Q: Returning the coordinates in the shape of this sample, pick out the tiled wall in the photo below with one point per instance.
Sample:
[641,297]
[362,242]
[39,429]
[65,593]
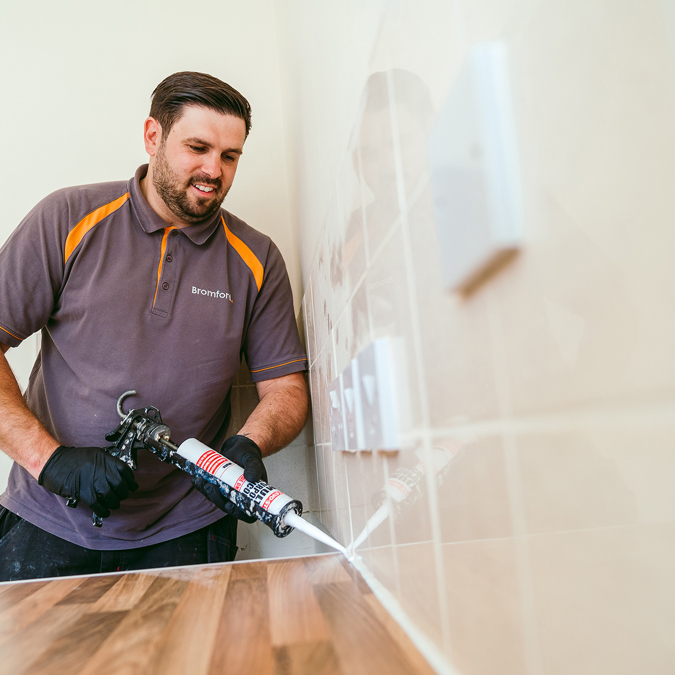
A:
[547,543]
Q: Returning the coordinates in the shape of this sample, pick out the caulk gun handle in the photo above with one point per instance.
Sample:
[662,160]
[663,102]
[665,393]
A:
[72,502]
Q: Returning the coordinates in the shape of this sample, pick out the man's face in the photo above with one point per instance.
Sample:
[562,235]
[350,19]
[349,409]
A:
[195,164]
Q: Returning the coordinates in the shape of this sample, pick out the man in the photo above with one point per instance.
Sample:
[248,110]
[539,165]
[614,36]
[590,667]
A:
[146,284]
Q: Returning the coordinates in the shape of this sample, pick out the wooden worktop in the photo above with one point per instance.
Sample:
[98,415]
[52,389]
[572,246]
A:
[310,615]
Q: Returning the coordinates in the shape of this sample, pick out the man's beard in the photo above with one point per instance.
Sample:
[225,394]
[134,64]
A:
[175,195]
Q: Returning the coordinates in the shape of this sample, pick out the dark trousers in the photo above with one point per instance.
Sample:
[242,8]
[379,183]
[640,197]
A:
[27,552]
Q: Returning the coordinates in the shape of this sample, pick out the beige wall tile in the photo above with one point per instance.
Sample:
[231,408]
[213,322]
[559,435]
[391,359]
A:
[343,527]
[585,311]
[604,600]
[597,478]
[384,565]
[418,591]
[473,494]
[486,626]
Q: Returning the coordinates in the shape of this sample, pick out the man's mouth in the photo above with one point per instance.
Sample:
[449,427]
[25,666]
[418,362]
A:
[204,189]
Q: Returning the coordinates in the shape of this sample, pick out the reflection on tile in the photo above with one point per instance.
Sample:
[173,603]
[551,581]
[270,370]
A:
[377,162]
[322,297]
[604,599]
[350,208]
[403,498]
[413,115]
[324,376]
[360,320]
[388,289]
[456,341]
[345,348]
[335,273]
[486,632]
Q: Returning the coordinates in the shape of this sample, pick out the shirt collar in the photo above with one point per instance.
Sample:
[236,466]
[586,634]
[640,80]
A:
[150,220]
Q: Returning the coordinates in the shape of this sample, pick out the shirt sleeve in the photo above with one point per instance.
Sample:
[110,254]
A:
[32,270]
[272,343]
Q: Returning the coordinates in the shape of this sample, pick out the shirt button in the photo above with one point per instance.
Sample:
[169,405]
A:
[165,286]
[169,258]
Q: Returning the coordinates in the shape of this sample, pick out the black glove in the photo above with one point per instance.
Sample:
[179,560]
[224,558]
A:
[245,453]
[90,475]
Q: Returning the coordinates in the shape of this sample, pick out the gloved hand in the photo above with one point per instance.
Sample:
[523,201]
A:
[245,453]
[90,475]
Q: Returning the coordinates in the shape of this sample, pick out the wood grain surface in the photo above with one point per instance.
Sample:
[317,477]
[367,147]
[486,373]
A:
[299,616]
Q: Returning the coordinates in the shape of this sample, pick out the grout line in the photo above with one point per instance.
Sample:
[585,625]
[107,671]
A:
[420,371]
[530,638]
[364,218]
[334,532]
[392,529]
[349,505]
[531,535]
[311,339]
[655,414]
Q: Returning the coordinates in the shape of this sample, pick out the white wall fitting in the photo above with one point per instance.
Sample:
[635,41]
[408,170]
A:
[475,172]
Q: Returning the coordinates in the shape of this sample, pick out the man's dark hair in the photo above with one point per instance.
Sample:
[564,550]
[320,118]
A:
[188,88]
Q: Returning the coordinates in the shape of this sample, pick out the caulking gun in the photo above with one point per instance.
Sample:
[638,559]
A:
[142,428]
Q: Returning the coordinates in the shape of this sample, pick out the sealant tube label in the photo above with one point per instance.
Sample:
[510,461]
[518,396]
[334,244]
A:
[264,495]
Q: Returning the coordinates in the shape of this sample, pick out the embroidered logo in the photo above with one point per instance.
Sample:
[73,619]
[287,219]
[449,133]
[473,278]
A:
[212,294]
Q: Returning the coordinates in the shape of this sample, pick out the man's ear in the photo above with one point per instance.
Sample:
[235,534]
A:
[152,135]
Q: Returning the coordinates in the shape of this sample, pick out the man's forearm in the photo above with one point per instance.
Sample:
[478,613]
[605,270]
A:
[22,436]
[280,415]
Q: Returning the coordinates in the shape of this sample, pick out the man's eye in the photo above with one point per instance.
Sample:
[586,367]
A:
[197,148]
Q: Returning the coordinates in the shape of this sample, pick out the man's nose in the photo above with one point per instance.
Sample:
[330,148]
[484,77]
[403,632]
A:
[211,165]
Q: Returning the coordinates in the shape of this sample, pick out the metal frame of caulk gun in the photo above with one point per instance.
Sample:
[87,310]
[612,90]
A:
[142,428]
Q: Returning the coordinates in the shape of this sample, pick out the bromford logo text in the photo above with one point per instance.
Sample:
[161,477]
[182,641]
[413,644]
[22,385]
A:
[212,294]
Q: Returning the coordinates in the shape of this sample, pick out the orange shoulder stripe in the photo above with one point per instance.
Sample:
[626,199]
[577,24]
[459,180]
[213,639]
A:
[12,334]
[246,255]
[279,366]
[76,235]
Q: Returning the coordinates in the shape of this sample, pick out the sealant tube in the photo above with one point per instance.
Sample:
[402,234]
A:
[260,500]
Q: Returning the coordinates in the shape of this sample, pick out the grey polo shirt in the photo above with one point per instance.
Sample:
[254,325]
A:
[125,302]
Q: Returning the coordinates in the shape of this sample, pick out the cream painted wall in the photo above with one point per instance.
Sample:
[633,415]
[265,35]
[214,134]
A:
[77,79]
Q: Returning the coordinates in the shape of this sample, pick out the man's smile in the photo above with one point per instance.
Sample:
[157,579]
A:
[204,189]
